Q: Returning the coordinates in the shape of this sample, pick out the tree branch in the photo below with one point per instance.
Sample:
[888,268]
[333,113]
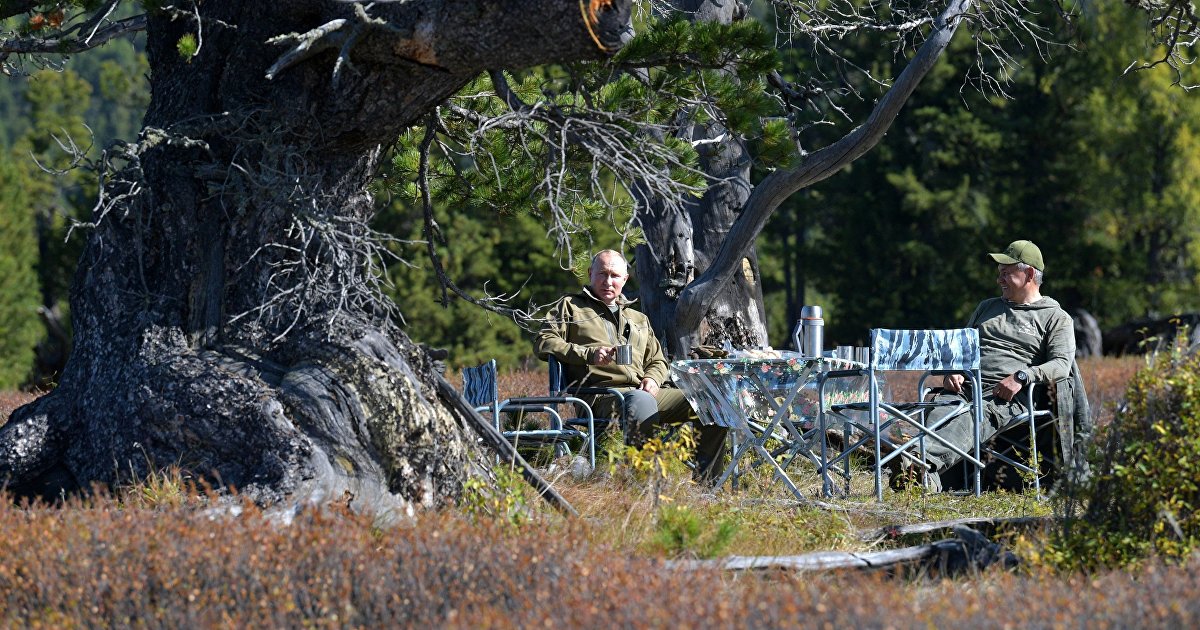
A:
[432,232]
[72,45]
[496,442]
[780,185]
[969,551]
[510,33]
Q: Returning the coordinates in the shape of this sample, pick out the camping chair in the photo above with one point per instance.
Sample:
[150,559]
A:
[559,387]
[480,389]
[1008,443]
[896,427]
[1044,441]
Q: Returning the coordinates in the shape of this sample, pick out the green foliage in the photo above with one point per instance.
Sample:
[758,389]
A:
[20,329]
[775,147]
[492,242]
[58,101]
[745,46]
[1093,166]
[505,228]
[102,96]
[1138,164]
[682,59]
[1144,494]
[58,104]
[660,456]
[503,499]
[681,531]
[187,46]
[487,250]
[116,73]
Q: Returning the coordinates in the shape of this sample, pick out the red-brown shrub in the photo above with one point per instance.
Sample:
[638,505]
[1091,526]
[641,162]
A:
[9,401]
[100,565]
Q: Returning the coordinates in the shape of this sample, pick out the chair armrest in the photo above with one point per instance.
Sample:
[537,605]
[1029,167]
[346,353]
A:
[528,402]
[595,391]
[602,391]
[946,372]
[517,407]
[1027,393]
[539,400]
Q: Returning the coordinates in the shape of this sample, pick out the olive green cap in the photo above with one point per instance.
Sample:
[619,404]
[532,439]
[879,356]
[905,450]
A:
[1021,252]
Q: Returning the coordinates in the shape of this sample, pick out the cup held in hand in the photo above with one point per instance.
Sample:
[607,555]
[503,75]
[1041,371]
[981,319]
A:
[624,354]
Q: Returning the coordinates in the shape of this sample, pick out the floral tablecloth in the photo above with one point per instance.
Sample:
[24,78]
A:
[727,391]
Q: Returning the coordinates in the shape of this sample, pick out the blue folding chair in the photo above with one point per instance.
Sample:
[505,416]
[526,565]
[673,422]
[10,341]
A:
[896,427]
[481,390]
[559,387]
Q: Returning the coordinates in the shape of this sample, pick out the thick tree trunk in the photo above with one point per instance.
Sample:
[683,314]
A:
[681,242]
[225,317]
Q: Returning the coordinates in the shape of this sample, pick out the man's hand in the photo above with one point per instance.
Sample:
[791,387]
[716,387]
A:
[649,385]
[1006,389]
[604,355]
[953,383]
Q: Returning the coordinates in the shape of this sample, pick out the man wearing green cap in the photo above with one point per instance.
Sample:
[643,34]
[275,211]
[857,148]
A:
[1024,337]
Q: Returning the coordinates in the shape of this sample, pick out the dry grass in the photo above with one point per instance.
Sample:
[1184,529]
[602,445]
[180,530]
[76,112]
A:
[1105,380]
[9,401]
[102,565]
[138,561]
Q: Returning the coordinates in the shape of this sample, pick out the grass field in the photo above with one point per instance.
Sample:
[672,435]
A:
[153,556]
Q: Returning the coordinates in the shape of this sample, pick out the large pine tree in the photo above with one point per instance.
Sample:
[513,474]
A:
[227,313]
[225,309]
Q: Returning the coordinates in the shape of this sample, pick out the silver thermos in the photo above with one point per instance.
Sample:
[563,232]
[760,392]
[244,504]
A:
[809,335]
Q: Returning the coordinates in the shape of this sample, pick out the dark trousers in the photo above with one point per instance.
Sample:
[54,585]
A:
[647,414]
[997,416]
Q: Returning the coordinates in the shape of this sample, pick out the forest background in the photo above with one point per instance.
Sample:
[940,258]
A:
[1093,163]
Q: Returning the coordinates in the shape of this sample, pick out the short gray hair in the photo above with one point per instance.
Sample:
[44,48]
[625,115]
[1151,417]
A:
[602,252]
[1037,273]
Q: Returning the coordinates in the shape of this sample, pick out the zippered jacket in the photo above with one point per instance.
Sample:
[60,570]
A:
[579,324]
[1040,338]
[1037,337]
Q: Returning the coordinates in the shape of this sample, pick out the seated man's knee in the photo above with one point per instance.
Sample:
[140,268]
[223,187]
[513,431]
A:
[642,411]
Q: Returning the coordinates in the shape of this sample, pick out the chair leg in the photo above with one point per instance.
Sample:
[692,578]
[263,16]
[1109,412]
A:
[1033,458]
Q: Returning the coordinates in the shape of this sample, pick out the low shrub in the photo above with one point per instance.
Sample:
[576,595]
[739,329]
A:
[96,564]
[1143,496]
[683,532]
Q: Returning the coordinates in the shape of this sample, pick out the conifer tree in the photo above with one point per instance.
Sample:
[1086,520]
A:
[227,305]
[20,328]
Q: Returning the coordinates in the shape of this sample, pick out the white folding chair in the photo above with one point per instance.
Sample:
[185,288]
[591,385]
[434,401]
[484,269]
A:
[1036,419]
[896,427]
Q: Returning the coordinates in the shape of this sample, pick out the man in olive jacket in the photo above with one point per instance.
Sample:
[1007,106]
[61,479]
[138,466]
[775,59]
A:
[583,331]
[1024,337]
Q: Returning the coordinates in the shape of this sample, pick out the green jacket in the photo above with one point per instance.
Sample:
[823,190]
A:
[1040,338]
[580,323]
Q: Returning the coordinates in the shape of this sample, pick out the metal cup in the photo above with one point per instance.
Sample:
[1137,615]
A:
[624,354]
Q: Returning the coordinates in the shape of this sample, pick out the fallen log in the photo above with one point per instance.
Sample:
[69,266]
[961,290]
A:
[896,531]
[824,560]
[969,551]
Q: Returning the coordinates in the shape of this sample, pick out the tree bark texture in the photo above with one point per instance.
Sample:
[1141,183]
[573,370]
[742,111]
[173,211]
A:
[681,243]
[225,317]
